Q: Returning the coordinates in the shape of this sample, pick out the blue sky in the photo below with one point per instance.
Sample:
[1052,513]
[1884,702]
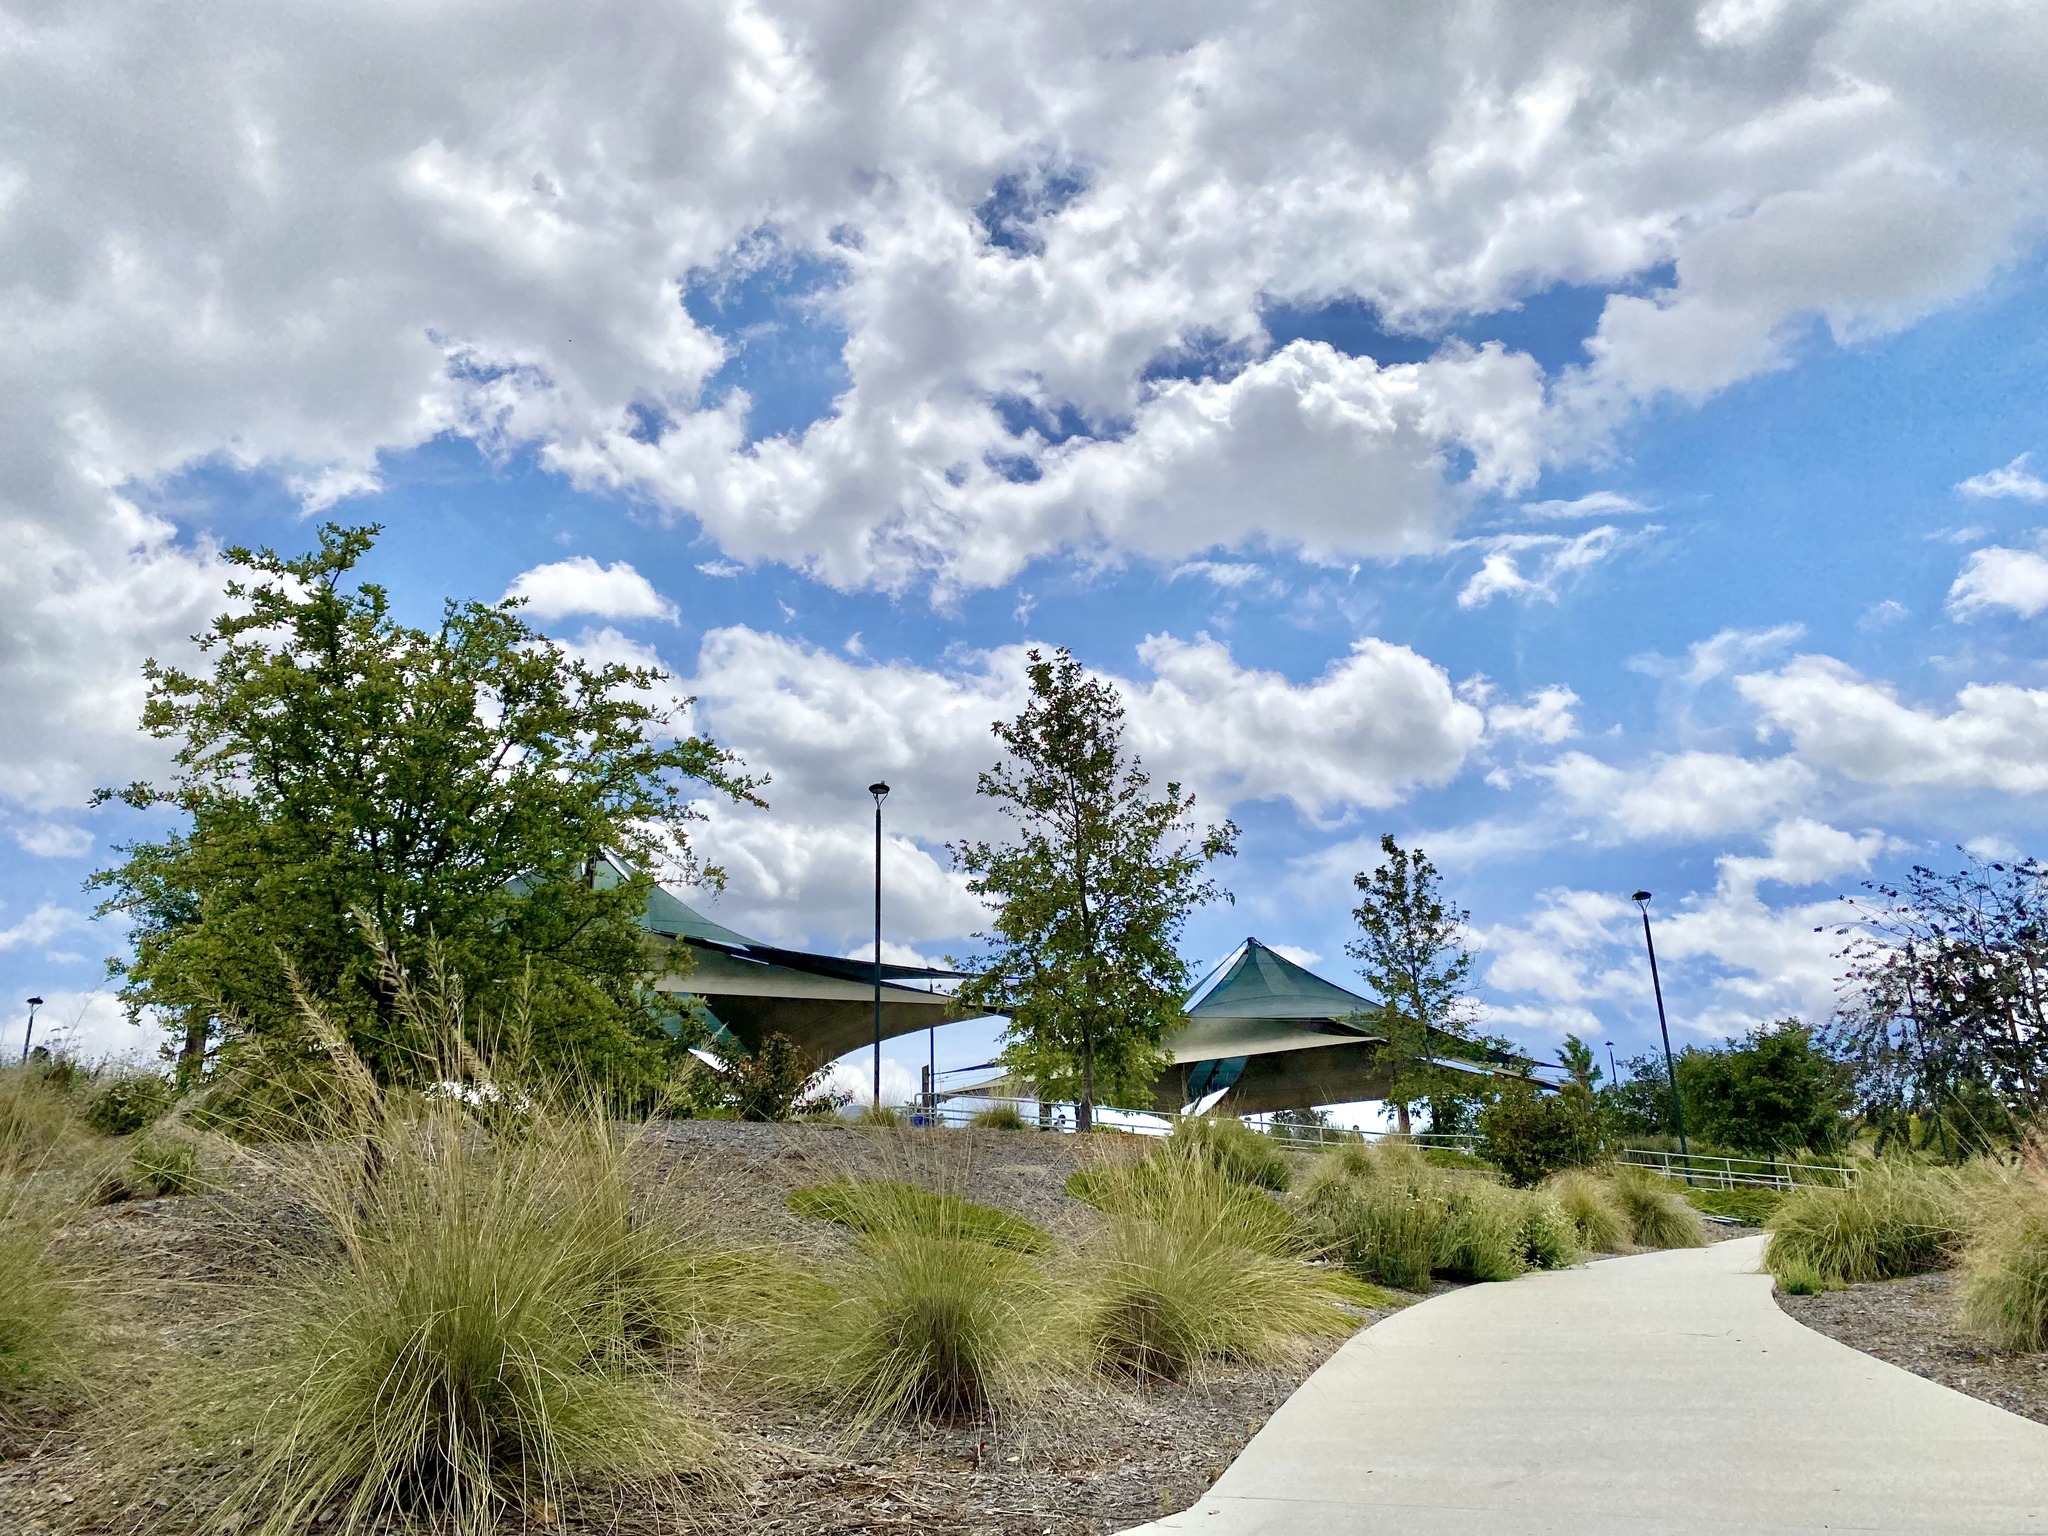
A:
[1617,474]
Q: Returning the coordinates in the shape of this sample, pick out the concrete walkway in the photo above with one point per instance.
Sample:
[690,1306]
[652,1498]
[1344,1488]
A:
[1660,1393]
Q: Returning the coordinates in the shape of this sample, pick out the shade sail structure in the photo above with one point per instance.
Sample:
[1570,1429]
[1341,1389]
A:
[824,1004]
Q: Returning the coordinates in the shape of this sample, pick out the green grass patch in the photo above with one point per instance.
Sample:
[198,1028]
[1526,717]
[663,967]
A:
[1658,1216]
[1458,1159]
[1235,1150]
[1751,1207]
[888,1206]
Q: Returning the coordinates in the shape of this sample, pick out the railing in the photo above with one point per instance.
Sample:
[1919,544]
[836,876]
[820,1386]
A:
[1298,1137]
[1737,1172]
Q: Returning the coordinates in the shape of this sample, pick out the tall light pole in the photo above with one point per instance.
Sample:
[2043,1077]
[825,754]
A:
[881,792]
[1642,901]
[1613,1077]
[30,1033]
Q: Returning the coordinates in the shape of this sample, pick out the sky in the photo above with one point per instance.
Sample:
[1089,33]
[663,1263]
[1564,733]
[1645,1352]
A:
[1604,445]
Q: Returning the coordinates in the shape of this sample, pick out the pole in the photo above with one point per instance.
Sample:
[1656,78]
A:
[881,792]
[1642,899]
[30,1033]
[1613,1077]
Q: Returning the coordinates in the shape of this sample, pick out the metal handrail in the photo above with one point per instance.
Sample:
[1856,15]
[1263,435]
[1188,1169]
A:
[1156,1123]
[1738,1172]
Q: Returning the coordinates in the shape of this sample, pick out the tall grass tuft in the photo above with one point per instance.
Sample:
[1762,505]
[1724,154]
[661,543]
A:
[1481,1235]
[1658,1216]
[1589,1202]
[36,1119]
[1894,1220]
[1187,1273]
[1178,1179]
[999,1117]
[37,1312]
[1235,1150]
[2003,1298]
[1550,1238]
[888,1205]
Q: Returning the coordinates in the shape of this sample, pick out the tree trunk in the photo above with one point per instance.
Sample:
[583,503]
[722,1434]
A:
[1401,1117]
[1084,1112]
[192,1059]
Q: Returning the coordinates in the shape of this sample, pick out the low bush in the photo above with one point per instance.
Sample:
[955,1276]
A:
[36,1312]
[2003,1298]
[922,1324]
[484,1340]
[881,1205]
[1751,1207]
[999,1117]
[1550,1238]
[1529,1135]
[1894,1220]
[161,1166]
[1480,1237]
[1658,1216]
[123,1103]
[1588,1201]
[1236,1150]
[1456,1158]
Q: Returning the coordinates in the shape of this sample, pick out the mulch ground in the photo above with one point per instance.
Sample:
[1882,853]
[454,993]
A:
[1083,1459]
[1910,1323]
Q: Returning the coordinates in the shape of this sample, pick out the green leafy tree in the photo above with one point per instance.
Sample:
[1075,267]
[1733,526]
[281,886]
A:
[1773,1091]
[1582,1077]
[1638,1101]
[1411,951]
[1529,1134]
[340,775]
[1088,897]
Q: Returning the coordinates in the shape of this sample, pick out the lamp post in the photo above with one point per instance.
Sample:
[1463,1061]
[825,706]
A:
[1642,901]
[1613,1077]
[881,792]
[30,1033]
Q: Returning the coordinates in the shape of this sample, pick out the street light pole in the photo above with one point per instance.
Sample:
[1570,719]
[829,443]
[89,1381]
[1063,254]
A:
[1613,1077]
[1642,901]
[881,792]
[30,1033]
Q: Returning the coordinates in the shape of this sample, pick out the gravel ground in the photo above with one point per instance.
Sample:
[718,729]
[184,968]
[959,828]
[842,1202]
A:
[1081,1460]
[1911,1324]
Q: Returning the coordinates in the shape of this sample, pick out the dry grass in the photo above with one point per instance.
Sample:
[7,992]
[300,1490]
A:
[1589,1202]
[1894,1220]
[1658,1216]
[2003,1298]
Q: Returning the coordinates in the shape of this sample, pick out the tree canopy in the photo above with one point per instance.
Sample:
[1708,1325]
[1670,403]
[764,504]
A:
[337,771]
[1088,897]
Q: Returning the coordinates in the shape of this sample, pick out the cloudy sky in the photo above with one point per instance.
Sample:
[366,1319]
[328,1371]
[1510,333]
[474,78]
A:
[1605,444]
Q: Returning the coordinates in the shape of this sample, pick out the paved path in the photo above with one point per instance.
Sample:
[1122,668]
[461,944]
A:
[1661,1393]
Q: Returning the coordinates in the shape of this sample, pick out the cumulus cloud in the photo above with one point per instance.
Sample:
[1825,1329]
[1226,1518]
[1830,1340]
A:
[1996,736]
[2013,579]
[46,923]
[54,840]
[2015,480]
[581,585]
[1532,565]
[1545,716]
[1680,795]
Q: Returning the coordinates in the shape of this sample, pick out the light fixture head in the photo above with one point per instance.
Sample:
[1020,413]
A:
[879,790]
[35,1002]
[1640,896]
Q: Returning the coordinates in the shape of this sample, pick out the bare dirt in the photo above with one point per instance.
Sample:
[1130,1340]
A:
[1083,1459]
[1910,1323]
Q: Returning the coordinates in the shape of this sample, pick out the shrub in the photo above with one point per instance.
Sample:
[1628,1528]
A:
[922,1324]
[777,1083]
[1658,1217]
[1892,1221]
[999,1117]
[1481,1235]
[36,1312]
[163,1167]
[1550,1238]
[127,1102]
[1457,1158]
[1379,1210]
[482,1342]
[1589,1202]
[2003,1299]
[1528,1134]
[879,1205]
[1236,1150]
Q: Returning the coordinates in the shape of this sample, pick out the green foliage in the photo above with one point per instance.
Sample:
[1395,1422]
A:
[126,1102]
[1658,1216]
[1894,1220]
[1088,899]
[1638,1103]
[1458,1158]
[1589,1203]
[880,1116]
[338,772]
[1190,1271]
[883,1205]
[922,1323]
[160,1166]
[1752,1207]
[2003,1297]
[1481,1235]
[999,1117]
[1770,1093]
[38,1312]
[1530,1135]
[36,1119]
[1235,1150]
[1173,1182]
[777,1083]
[1550,1237]
[483,1340]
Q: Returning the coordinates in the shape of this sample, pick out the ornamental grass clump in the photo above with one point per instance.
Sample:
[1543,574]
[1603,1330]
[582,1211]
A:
[1894,1220]
[1178,1180]
[1658,1216]
[1589,1202]
[1235,1150]
[37,1121]
[889,1205]
[1550,1238]
[1480,1237]
[38,1315]
[1187,1273]
[2003,1296]
[999,1117]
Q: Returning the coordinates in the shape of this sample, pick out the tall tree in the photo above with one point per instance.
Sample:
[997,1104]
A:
[1945,999]
[458,787]
[1582,1076]
[1773,1091]
[1088,897]
[1411,951]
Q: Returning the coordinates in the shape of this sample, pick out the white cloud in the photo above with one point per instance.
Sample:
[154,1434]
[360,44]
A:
[1680,795]
[724,570]
[48,921]
[1995,738]
[1598,504]
[581,585]
[854,1076]
[54,840]
[2014,480]
[1545,716]
[1228,574]
[1531,565]
[87,1026]
[2013,579]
